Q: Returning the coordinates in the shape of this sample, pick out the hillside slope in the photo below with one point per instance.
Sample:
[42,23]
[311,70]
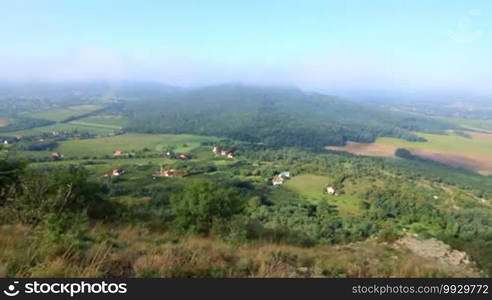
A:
[274,116]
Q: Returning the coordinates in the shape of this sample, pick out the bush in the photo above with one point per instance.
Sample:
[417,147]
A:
[202,204]
[56,192]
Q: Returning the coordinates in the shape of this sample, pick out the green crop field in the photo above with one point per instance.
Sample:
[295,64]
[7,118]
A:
[131,142]
[451,144]
[69,127]
[117,121]
[59,114]
[471,124]
[95,125]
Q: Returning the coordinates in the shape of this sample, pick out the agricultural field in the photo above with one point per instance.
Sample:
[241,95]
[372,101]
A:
[471,124]
[4,122]
[68,127]
[366,149]
[105,120]
[451,144]
[131,142]
[60,114]
[473,152]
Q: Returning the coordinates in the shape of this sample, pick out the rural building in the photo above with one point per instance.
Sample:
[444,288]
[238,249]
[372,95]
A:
[284,174]
[183,156]
[225,153]
[277,180]
[169,153]
[166,173]
[118,172]
[57,155]
[331,190]
[117,153]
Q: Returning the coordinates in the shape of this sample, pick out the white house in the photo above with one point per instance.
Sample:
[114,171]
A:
[331,190]
[118,172]
[284,174]
[277,180]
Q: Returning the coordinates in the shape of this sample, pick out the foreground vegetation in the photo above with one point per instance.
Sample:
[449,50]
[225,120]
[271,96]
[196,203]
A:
[78,222]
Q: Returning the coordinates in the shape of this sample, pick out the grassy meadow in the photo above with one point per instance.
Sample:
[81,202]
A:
[471,124]
[109,120]
[131,142]
[68,127]
[452,144]
[61,114]
[313,188]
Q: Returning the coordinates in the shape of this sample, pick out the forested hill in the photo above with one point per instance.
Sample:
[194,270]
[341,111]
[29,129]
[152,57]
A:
[276,116]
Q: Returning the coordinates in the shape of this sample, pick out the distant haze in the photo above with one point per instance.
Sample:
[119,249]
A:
[323,45]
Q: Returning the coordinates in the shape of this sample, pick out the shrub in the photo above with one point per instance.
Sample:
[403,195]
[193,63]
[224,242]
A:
[202,204]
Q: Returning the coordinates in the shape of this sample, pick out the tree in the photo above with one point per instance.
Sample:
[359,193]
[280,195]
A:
[202,203]
[11,169]
[55,191]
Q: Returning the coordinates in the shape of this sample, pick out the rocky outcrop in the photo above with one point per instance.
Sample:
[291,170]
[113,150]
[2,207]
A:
[442,254]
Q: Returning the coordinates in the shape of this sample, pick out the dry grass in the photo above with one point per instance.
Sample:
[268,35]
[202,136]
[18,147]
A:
[137,252]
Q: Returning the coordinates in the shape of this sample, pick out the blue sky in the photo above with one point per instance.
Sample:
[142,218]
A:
[316,44]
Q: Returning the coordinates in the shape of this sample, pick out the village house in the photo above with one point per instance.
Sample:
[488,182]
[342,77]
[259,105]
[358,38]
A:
[217,151]
[117,153]
[277,180]
[118,172]
[166,173]
[331,190]
[225,153]
[169,153]
[182,156]
[284,174]
[114,172]
[57,155]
